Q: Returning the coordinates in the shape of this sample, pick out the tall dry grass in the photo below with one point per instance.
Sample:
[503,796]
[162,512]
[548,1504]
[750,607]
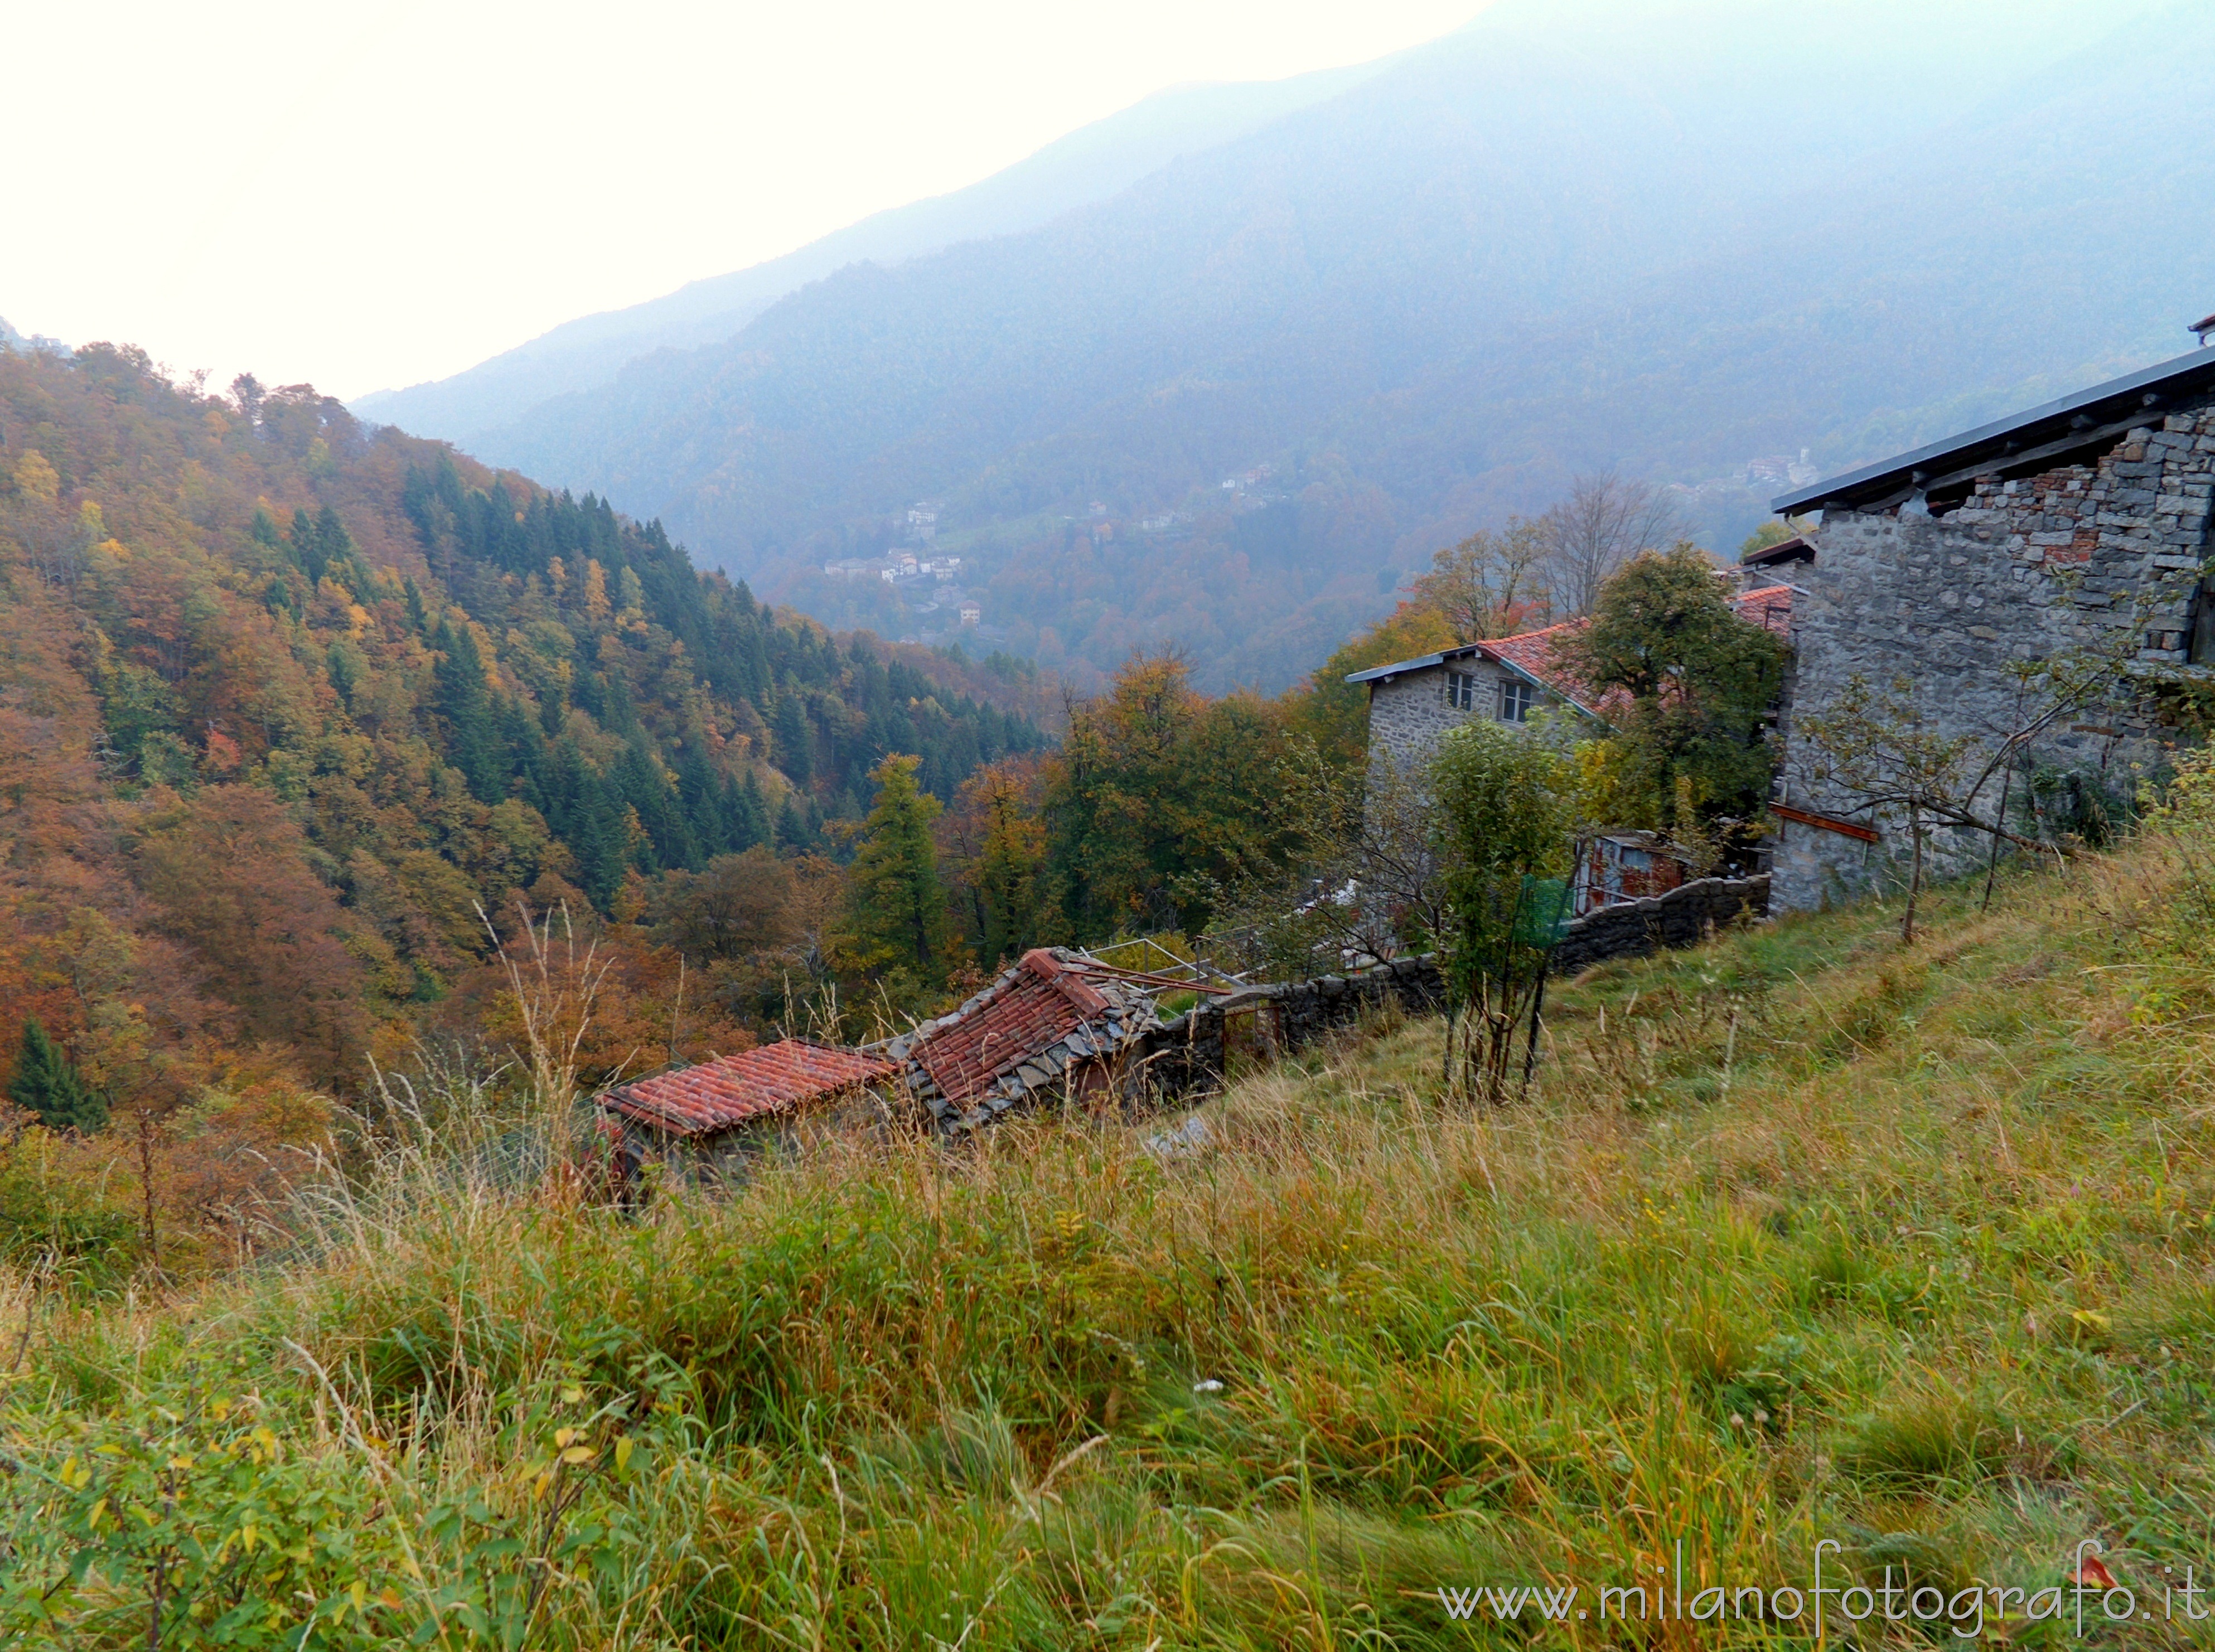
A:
[1803,1235]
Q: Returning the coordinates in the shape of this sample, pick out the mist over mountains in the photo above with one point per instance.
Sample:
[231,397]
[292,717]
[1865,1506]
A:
[1089,164]
[1673,240]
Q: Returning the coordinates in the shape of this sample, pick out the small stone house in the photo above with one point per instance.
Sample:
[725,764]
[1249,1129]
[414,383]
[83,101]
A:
[1414,702]
[2079,524]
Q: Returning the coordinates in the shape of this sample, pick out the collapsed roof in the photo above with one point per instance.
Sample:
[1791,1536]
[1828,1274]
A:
[1052,1022]
[1058,1022]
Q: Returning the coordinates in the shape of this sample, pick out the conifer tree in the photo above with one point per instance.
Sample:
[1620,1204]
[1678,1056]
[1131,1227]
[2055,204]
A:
[896,915]
[749,813]
[795,741]
[305,546]
[472,744]
[795,834]
[46,1083]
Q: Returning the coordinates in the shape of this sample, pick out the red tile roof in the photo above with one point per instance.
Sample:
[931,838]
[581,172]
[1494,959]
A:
[1532,654]
[1047,1000]
[1769,608]
[1533,651]
[778,1078]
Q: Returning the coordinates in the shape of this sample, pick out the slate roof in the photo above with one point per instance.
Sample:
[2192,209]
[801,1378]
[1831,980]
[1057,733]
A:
[2022,444]
[1530,654]
[779,1078]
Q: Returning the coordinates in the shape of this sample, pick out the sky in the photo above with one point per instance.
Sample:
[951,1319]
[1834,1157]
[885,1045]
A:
[370,195]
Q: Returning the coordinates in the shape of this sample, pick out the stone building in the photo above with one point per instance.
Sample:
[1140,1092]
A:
[1414,702]
[2074,530]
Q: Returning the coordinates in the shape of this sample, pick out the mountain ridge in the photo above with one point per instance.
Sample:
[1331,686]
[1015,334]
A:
[1427,301]
[1094,162]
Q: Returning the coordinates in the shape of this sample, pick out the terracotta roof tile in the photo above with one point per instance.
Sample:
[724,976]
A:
[1769,608]
[1533,651]
[778,1078]
[1047,1000]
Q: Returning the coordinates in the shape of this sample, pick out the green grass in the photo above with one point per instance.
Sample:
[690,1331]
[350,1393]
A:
[1802,1235]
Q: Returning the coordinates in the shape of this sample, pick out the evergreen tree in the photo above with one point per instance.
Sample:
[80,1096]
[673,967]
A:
[305,547]
[599,839]
[703,796]
[46,1084]
[748,813]
[336,547]
[472,741]
[794,835]
[896,915]
[795,741]
[645,788]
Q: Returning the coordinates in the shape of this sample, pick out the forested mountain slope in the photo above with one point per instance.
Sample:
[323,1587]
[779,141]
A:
[284,699]
[1674,246]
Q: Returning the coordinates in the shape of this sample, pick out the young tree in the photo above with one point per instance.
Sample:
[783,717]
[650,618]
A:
[1889,751]
[1505,831]
[1364,877]
[896,906]
[46,1084]
[1696,683]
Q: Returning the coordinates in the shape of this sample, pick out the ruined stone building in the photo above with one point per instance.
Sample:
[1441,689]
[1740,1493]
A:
[2072,531]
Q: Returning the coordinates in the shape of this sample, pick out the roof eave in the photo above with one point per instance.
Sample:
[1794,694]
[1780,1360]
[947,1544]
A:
[1892,475]
[1377,673]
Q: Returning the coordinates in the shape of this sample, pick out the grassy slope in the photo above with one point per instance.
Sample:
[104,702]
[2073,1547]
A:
[1809,1235]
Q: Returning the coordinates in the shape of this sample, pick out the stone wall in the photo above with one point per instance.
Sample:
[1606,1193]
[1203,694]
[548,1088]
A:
[1190,1054]
[1686,916]
[1410,714]
[2023,570]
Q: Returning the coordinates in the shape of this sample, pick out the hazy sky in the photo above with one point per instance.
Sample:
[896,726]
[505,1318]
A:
[387,191]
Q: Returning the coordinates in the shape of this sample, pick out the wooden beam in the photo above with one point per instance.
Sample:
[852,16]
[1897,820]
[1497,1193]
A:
[1827,824]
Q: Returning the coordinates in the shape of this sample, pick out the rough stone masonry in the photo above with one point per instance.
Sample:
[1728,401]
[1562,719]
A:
[1979,568]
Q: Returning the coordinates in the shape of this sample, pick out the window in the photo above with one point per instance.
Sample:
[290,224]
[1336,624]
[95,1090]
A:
[1461,690]
[1516,697]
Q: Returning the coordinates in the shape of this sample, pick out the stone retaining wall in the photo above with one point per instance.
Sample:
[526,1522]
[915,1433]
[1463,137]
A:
[1189,1055]
[1686,916]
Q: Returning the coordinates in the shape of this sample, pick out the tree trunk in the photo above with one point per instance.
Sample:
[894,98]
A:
[1914,877]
